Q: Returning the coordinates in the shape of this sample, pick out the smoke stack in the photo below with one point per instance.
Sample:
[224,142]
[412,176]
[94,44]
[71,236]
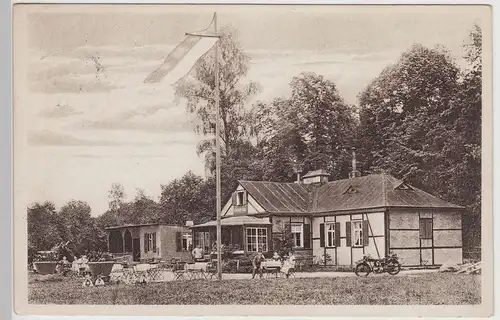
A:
[354,173]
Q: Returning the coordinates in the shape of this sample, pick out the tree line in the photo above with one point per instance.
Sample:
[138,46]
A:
[419,120]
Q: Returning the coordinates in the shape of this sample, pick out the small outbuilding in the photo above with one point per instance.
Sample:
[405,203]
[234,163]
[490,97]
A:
[153,241]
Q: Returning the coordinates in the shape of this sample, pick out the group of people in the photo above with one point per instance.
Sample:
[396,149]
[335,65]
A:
[288,263]
[287,266]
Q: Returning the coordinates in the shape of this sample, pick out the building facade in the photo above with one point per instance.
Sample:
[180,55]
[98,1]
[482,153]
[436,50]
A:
[337,222]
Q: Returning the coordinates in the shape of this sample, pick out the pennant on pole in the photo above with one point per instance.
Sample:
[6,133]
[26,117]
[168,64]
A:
[182,59]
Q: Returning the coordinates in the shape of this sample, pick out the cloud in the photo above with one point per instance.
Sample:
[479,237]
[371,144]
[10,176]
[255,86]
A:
[69,84]
[52,138]
[60,111]
[149,119]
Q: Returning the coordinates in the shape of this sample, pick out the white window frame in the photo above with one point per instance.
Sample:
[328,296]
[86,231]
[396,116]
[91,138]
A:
[188,239]
[149,244]
[355,229]
[239,202]
[253,240]
[330,234]
[301,233]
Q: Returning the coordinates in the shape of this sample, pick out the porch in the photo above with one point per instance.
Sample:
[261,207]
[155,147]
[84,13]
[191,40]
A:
[240,235]
[124,241]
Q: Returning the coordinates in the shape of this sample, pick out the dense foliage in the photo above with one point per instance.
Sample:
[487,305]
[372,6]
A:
[419,120]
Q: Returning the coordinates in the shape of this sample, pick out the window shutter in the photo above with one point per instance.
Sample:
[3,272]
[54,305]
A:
[146,243]
[178,241]
[337,234]
[422,228]
[366,236]
[154,242]
[233,198]
[307,236]
[322,235]
[348,233]
[244,197]
[429,229]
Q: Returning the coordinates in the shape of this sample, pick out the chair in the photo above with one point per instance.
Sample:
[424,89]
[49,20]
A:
[211,271]
[179,271]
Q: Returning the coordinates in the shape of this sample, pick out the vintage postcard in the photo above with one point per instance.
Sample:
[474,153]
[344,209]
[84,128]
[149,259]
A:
[184,160]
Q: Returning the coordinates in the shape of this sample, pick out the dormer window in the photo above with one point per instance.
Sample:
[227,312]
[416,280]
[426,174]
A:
[351,190]
[403,186]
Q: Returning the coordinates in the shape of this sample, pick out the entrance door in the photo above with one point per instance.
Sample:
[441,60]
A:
[136,249]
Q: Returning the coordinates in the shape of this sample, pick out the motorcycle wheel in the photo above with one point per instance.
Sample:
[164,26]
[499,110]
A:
[393,268]
[362,270]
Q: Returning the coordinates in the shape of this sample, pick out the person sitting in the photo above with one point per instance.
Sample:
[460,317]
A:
[257,263]
[197,253]
[276,256]
[288,264]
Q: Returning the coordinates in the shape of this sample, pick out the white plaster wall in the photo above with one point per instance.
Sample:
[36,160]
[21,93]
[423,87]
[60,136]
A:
[408,256]
[372,249]
[403,220]
[444,255]
[447,220]
[404,239]
[377,223]
[427,256]
[447,238]
[344,253]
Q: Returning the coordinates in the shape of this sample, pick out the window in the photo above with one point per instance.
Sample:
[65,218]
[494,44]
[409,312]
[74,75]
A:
[357,233]
[202,239]
[330,234]
[297,235]
[256,239]
[186,241]
[425,228]
[240,198]
[150,242]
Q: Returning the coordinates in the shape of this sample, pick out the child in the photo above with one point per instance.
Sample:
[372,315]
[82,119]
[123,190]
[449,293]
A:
[288,264]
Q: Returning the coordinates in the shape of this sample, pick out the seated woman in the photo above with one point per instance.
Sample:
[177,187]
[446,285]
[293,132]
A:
[288,264]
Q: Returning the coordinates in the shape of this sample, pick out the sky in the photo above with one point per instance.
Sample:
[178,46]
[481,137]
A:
[90,123]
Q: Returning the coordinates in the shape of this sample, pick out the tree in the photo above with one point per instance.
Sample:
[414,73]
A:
[199,93]
[116,196]
[420,120]
[79,227]
[402,127]
[188,198]
[42,227]
[306,131]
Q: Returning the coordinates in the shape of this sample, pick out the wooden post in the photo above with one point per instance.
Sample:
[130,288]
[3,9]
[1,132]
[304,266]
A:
[217,147]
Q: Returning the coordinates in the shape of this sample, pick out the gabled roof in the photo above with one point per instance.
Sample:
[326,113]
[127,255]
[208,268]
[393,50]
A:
[366,192]
[279,197]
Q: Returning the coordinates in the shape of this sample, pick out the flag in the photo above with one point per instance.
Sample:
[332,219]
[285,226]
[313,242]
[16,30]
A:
[182,59]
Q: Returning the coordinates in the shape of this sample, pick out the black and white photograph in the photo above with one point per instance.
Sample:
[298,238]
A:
[257,155]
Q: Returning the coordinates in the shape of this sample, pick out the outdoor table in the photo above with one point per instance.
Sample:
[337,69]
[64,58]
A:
[196,270]
[272,267]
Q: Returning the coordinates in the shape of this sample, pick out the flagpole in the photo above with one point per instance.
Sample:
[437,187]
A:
[217,155]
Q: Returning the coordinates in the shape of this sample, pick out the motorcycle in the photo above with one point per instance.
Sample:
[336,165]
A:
[367,265]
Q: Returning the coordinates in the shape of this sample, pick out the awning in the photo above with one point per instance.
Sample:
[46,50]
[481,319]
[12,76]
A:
[236,221]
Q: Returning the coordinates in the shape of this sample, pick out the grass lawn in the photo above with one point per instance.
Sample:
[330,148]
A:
[433,288]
